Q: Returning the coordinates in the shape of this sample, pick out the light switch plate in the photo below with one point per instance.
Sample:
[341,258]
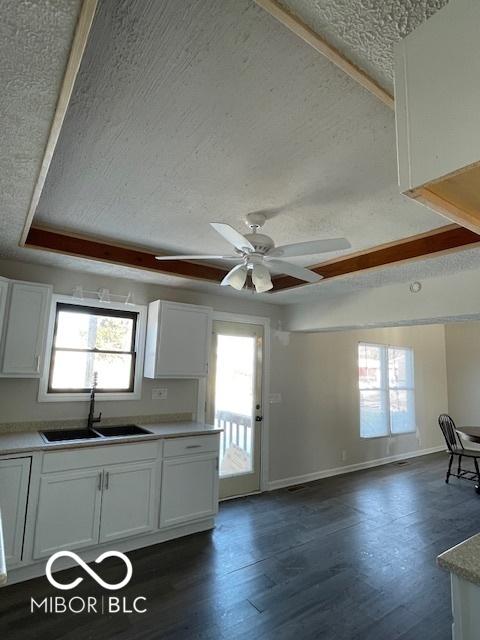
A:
[159,394]
[275,398]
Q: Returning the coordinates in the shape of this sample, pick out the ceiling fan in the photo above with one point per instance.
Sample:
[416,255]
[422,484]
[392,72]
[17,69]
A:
[258,254]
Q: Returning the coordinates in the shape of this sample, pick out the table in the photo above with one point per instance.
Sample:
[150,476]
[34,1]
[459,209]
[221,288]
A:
[470,433]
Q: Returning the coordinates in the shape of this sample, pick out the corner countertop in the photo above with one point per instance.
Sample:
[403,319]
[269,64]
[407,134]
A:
[463,560]
[24,441]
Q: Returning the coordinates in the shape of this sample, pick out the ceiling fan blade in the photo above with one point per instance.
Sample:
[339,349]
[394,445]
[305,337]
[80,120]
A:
[295,271]
[309,248]
[203,257]
[232,236]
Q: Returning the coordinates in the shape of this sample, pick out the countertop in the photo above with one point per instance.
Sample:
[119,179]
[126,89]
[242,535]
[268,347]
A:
[463,560]
[23,441]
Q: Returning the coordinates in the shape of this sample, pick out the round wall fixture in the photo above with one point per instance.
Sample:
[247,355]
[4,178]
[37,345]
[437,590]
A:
[415,287]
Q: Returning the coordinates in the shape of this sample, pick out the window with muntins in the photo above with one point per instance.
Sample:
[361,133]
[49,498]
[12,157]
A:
[387,390]
[92,340]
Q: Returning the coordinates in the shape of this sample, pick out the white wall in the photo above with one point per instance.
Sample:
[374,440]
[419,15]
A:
[449,297]
[316,375]
[319,416]
[18,398]
[463,368]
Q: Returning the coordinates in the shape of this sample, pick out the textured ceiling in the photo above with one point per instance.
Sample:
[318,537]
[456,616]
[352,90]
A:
[205,110]
[35,38]
[365,30]
[196,111]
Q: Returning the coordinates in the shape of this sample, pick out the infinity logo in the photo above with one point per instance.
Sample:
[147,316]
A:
[87,569]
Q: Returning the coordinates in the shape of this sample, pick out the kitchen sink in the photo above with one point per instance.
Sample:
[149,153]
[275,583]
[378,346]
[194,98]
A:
[61,435]
[116,431]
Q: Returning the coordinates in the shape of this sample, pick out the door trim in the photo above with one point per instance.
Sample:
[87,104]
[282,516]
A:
[202,387]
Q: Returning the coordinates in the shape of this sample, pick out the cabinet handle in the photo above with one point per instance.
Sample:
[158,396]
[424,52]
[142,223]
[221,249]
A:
[37,364]
[107,480]
[193,446]
[100,476]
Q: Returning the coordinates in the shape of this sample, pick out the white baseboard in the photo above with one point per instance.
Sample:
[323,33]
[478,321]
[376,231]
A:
[336,471]
[36,568]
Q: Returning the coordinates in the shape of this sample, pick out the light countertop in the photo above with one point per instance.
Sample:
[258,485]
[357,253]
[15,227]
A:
[463,560]
[23,441]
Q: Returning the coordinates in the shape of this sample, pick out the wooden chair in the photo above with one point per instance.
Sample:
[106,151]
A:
[456,448]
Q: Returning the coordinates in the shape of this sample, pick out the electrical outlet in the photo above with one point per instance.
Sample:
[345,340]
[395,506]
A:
[344,455]
[159,394]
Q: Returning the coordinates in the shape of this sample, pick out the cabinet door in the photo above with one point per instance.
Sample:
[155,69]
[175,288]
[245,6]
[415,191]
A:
[189,489]
[26,329]
[68,514]
[14,479]
[437,94]
[128,502]
[183,340]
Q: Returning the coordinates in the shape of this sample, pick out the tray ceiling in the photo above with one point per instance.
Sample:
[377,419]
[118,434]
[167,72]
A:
[189,112]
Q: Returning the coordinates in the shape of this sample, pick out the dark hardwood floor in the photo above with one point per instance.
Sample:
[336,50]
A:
[350,557]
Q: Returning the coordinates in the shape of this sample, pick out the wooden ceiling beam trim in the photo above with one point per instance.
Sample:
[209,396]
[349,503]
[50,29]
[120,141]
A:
[79,42]
[433,243]
[104,251]
[312,38]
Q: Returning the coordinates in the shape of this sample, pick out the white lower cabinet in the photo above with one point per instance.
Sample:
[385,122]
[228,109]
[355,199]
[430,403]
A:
[128,503]
[84,507]
[189,489]
[107,495]
[14,477]
[68,515]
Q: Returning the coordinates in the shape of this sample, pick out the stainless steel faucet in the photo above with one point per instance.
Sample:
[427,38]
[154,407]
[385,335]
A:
[91,419]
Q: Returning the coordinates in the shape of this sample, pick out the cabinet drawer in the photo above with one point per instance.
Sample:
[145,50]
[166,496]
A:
[190,445]
[81,458]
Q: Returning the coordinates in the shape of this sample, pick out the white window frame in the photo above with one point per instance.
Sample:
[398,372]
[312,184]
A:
[136,394]
[385,363]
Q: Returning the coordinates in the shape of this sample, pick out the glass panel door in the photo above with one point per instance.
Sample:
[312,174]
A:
[235,404]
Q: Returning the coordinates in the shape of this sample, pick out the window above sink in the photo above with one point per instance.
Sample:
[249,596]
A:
[87,337]
[90,340]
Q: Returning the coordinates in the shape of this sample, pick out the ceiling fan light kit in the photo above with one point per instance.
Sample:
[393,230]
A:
[261,278]
[236,278]
[258,254]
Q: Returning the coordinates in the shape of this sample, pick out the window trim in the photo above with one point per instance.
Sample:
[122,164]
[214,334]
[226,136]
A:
[44,395]
[390,433]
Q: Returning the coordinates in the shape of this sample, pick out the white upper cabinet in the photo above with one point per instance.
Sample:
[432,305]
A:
[25,329]
[437,105]
[178,340]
